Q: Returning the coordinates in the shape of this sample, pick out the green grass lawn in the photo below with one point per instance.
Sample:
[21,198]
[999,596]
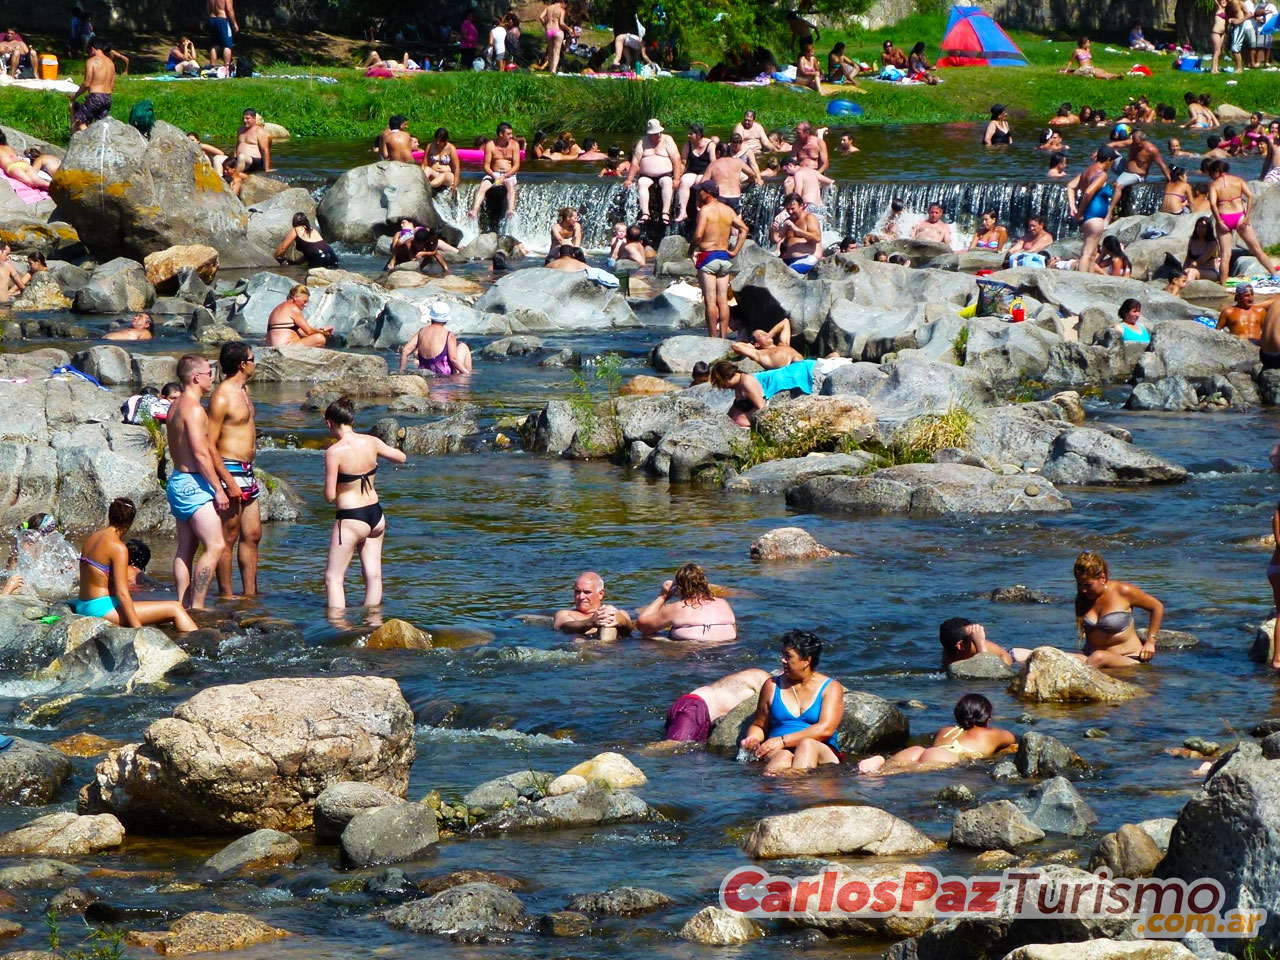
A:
[470,104]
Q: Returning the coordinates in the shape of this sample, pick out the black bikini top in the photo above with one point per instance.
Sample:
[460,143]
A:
[364,479]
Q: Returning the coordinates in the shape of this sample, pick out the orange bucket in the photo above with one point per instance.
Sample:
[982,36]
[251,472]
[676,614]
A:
[48,67]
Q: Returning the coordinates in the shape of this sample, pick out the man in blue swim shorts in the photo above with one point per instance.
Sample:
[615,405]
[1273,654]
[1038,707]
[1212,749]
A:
[712,256]
[195,488]
[222,24]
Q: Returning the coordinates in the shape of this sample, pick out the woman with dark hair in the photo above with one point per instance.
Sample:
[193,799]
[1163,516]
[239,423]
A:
[688,609]
[1177,192]
[540,148]
[440,163]
[104,578]
[307,241]
[1130,327]
[1104,616]
[841,69]
[998,132]
[1112,261]
[970,739]
[918,68]
[801,711]
[1202,261]
[359,524]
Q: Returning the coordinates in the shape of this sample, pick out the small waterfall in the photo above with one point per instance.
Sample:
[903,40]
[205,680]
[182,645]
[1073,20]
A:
[853,208]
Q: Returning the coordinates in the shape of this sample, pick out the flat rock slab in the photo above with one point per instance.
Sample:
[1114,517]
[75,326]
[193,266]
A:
[832,831]
[620,901]
[206,932]
[776,476]
[593,805]
[469,909]
[62,835]
[928,489]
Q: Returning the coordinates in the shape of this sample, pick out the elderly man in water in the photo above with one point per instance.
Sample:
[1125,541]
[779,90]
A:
[686,609]
[691,717]
[590,615]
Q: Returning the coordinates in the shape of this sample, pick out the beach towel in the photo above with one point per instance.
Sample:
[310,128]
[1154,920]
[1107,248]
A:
[794,376]
[602,277]
[58,86]
[25,193]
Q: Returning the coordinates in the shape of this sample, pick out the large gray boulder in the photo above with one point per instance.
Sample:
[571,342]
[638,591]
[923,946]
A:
[679,354]
[99,656]
[1227,833]
[340,803]
[1074,292]
[540,300]
[1085,456]
[120,286]
[768,290]
[466,911]
[262,293]
[1173,394]
[354,310]
[994,826]
[835,831]
[927,489]
[371,200]
[254,755]
[915,387]
[298,364]
[1057,807]
[127,196]
[394,834]
[106,363]
[696,448]
[271,218]
[1194,351]
[31,774]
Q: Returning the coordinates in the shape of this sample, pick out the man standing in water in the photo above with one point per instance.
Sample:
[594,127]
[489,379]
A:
[712,256]
[501,164]
[753,136]
[810,150]
[233,435]
[934,228]
[395,142]
[194,490]
[99,82]
[590,615]
[222,24]
[727,172]
[1245,318]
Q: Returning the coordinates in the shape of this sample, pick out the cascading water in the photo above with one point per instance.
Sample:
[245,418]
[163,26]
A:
[47,563]
[852,208]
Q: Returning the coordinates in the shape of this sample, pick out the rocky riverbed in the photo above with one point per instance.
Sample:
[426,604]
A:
[452,770]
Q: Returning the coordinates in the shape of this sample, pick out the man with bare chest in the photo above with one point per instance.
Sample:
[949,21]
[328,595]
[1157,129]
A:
[809,150]
[222,24]
[395,142]
[234,437]
[501,164]
[1244,318]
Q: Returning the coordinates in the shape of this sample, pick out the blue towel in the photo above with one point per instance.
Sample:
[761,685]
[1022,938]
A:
[794,376]
[5,743]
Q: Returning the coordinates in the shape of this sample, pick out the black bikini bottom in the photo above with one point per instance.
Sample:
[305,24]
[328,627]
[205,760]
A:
[372,515]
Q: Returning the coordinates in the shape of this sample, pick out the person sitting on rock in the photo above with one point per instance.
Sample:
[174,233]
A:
[104,578]
[933,229]
[970,739]
[686,609]
[287,327]
[140,327]
[691,718]
[1028,250]
[308,242]
[590,616]
[1245,318]
[798,713]
[770,348]
[12,282]
[962,639]
[1104,616]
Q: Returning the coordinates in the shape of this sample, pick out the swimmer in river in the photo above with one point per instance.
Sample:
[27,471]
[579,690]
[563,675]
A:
[691,718]
[590,616]
[970,739]
[687,609]
[359,523]
[1104,616]
[962,639]
[770,348]
[1244,319]
[798,713]
[438,350]
[395,142]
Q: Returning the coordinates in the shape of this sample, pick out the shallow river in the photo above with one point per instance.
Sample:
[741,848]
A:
[475,541]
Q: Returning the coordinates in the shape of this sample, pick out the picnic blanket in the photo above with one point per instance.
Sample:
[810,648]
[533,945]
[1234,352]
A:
[57,86]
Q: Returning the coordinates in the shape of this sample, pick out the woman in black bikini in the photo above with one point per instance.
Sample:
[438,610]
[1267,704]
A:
[1104,616]
[998,132]
[359,524]
[307,241]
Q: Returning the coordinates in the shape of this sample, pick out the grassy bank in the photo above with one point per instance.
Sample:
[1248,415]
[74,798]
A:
[470,104]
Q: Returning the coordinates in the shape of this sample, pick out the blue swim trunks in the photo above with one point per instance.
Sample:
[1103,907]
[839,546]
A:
[220,32]
[187,493]
[794,376]
[97,607]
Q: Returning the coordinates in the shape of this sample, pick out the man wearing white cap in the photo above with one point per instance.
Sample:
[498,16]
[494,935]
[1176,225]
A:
[655,159]
[439,351]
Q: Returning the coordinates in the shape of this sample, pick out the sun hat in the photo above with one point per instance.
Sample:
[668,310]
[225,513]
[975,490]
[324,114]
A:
[653,127]
[438,312]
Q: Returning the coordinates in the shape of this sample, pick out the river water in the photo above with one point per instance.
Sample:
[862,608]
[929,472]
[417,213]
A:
[477,543]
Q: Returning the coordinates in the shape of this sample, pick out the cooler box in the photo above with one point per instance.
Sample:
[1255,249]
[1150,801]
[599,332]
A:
[48,67]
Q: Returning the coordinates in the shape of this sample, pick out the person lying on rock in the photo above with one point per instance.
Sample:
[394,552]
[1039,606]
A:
[962,639]
[105,576]
[590,616]
[770,348]
[1244,319]
[686,609]
[970,739]
[1104,616]
[287,327]
[753,390]
[140,327]
[691,717]
[798,713]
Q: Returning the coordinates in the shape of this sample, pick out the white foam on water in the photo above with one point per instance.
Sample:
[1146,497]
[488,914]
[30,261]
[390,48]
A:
[470,735]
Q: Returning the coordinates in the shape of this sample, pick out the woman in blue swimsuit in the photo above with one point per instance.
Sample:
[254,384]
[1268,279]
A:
[801,710]
[104,578]
[1091,199]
